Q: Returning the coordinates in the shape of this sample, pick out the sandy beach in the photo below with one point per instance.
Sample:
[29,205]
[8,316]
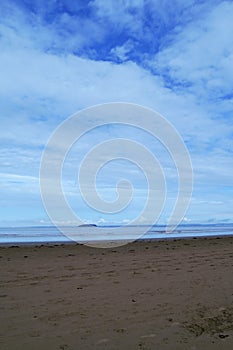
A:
[165,294]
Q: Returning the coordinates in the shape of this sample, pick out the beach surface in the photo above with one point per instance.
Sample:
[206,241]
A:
[158,294]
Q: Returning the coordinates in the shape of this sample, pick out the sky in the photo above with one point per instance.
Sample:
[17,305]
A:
[58,57]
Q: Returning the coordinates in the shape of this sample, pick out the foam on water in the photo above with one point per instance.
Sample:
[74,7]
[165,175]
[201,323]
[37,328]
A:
[47,234]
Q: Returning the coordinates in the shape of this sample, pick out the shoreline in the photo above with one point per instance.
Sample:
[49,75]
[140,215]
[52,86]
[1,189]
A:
[56,243]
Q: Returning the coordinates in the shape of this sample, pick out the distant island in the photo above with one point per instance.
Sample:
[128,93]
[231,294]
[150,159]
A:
[88,225]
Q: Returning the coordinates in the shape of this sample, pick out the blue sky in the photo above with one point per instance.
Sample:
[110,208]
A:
[58,57]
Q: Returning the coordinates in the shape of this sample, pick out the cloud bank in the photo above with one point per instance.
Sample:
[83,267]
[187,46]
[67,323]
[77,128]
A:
[58,57]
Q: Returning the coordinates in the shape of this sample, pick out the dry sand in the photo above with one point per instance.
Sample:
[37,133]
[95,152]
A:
[175,294]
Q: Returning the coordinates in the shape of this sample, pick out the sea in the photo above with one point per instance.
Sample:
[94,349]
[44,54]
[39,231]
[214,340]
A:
[51,234]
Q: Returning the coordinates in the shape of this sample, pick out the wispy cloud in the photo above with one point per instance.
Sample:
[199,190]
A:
[173,56]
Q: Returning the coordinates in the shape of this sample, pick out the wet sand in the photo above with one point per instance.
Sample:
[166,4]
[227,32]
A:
[171,294]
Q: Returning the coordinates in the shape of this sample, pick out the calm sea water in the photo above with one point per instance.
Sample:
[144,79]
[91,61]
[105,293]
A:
[12,235]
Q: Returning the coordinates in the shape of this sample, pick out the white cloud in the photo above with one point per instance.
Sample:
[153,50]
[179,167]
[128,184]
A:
[121,13]
[44,79]
[201,54]
[122,52]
